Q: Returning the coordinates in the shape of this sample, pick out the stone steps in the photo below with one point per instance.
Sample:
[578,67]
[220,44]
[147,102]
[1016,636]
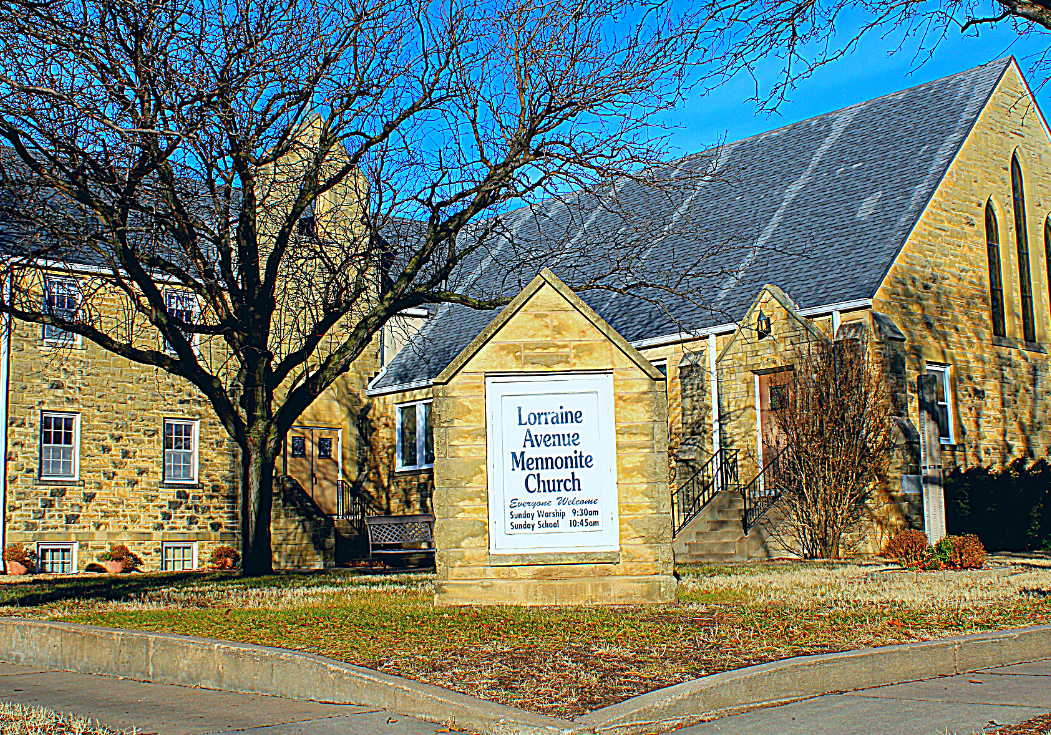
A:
[717,535]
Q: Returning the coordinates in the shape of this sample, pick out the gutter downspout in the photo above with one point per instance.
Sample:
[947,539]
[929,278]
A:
[5,367]
[716,438]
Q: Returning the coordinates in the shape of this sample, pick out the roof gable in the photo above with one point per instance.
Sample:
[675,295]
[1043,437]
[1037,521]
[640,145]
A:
[549,279]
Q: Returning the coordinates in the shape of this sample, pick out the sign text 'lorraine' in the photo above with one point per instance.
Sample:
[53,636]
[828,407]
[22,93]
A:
[552,464]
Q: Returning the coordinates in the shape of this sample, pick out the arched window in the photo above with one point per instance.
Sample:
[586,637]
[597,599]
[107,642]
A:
[1047,258]
[996,282]
[1025,279]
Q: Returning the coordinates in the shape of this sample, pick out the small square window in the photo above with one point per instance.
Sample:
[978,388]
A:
[59,446]
[299,446]
[57,558]
[178,557]
[62,297]
[778,397]
[180,450]
[324,447]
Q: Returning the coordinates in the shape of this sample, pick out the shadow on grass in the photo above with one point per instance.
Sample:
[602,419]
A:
[42,590]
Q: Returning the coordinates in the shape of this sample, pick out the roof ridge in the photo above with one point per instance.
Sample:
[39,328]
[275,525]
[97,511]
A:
[1004,61]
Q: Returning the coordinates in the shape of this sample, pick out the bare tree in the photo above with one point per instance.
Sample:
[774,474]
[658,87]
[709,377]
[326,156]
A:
[265,183]
[836,436]
[794,38]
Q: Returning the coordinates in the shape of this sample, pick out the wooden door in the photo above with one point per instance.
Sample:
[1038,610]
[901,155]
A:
[773,392]
[313,460]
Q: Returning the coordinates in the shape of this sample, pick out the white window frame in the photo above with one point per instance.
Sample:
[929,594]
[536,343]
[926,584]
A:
[196,425]
[170,295]
[75,477]
[69,339]
[421,435]
[71,545]
[945,371]
[165,545]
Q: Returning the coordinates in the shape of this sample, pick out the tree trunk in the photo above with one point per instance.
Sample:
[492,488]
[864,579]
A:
[257,501]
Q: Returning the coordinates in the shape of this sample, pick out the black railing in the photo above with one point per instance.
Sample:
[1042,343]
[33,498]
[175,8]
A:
[763,491]
[689,497]
[353,506]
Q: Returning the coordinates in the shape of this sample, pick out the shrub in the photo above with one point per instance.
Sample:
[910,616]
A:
[960,552]
[20,554]
[910,548]
[129,560]
[1007,508]
[225,557]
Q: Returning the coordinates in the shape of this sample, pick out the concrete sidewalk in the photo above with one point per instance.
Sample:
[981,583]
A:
[951,705]
[162,709]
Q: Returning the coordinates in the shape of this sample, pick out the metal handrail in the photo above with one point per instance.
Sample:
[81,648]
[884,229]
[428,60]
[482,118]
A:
[760,494]
[353,506]
[690,497]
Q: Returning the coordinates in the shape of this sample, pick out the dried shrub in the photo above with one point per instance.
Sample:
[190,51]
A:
[20,554]
[960,552]
[910,548]
[225,557]
[129,560]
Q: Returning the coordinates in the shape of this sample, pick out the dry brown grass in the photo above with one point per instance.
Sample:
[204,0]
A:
[561,661]
[17,719]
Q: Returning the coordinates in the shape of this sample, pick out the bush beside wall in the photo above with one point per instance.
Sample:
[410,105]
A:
[1008,508]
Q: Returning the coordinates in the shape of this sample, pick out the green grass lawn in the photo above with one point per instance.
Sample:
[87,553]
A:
[559,661]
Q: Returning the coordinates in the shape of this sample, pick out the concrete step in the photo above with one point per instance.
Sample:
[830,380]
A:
[725,524]
[707,548]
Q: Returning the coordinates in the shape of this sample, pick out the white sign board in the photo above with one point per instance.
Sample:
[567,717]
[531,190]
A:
[552,464]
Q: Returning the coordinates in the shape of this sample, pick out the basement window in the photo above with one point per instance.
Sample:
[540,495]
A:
[415,445]
[178,557]
[57,558]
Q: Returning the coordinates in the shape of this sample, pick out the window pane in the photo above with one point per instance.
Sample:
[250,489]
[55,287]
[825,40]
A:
[408,435]
[939,390]
[428,435]
[943,421]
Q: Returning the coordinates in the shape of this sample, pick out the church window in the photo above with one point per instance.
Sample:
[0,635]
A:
[1047,258]
[1025,279]
[415,436]
[996,282]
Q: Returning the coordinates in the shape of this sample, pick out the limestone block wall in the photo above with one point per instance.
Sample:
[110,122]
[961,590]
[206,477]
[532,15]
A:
[744,356]
[937,292]
[120,496]
[546,332]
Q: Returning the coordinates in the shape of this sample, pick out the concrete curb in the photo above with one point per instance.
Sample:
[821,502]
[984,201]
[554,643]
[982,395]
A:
[166,658]
[810,676]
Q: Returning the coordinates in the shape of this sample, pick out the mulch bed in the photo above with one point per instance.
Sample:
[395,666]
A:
[1037,726]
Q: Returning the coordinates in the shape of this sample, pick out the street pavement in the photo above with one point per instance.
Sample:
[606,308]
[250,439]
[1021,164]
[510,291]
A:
[952,705]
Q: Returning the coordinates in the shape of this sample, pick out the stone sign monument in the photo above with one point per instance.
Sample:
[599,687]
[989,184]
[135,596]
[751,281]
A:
[551,465]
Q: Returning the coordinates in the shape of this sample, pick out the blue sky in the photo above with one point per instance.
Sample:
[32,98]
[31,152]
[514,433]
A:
[725,114]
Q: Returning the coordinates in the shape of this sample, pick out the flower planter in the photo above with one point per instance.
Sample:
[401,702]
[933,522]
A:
[13,567]
[114,567]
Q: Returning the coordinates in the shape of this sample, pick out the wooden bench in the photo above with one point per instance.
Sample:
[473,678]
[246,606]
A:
[400,537]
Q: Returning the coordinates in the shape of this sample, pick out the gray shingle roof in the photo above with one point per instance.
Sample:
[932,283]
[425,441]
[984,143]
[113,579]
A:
[820,208]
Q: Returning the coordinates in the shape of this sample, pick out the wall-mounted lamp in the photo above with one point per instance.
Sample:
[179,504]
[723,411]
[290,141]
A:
[762,325]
